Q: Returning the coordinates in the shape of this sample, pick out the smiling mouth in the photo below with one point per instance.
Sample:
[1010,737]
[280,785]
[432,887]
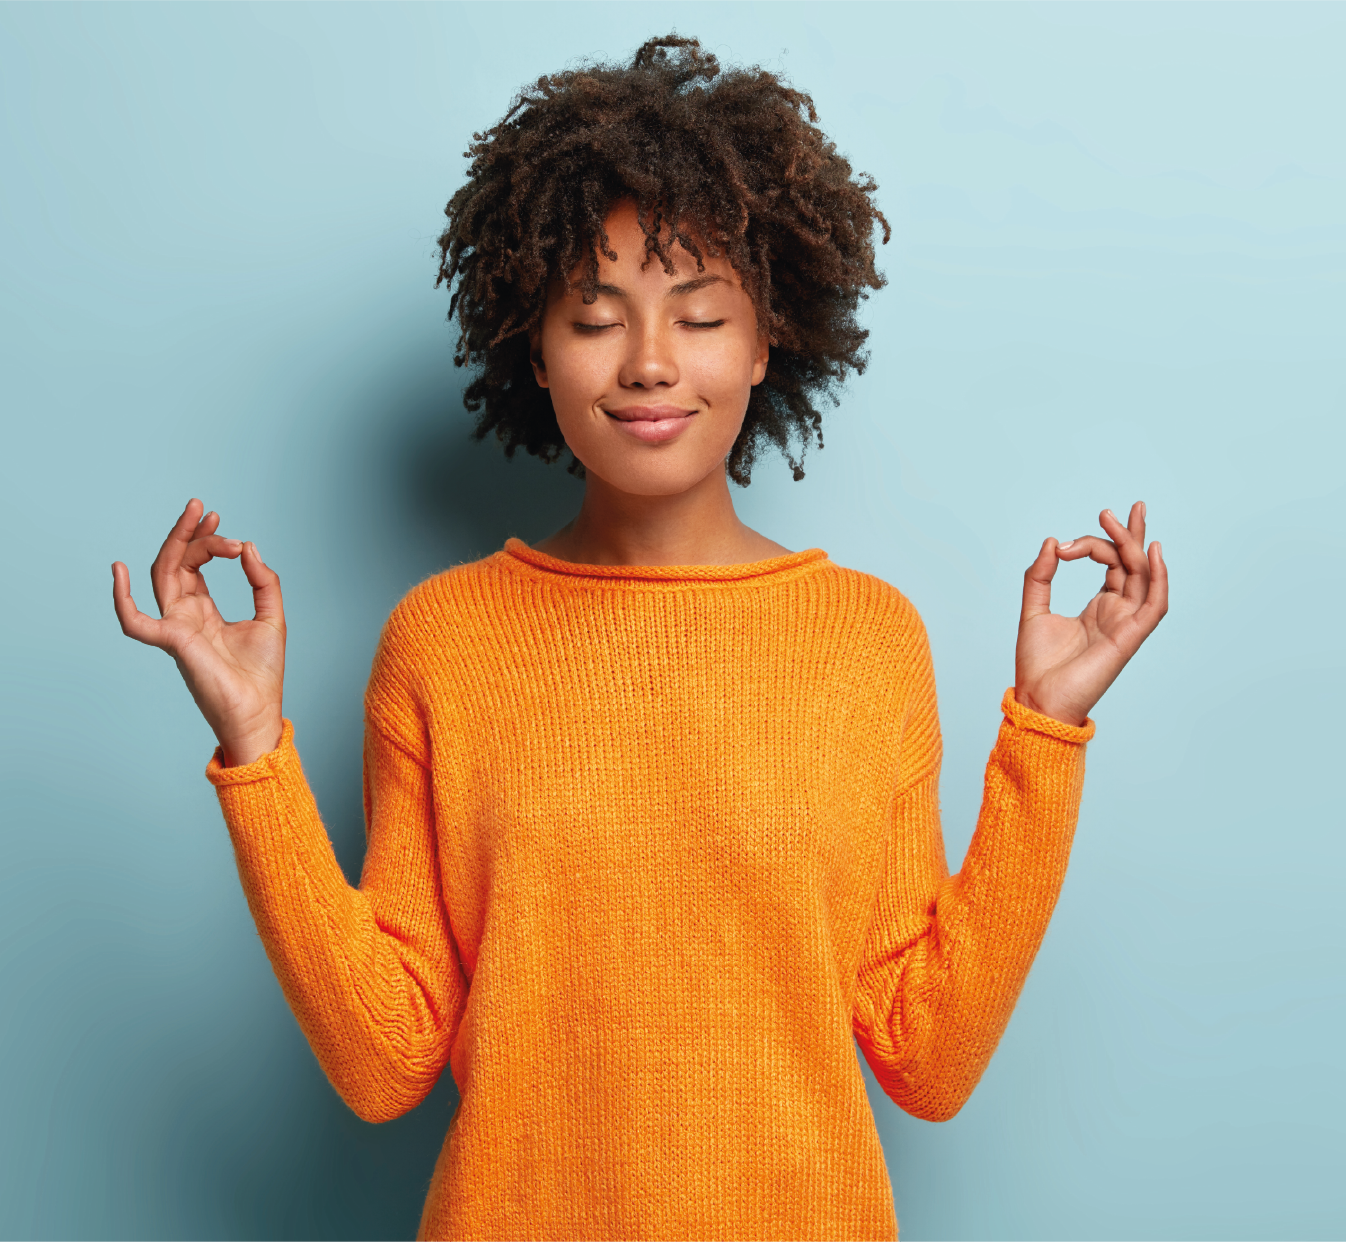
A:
[652,424]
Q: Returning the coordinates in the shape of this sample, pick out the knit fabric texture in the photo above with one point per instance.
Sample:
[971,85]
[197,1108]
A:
[649,850]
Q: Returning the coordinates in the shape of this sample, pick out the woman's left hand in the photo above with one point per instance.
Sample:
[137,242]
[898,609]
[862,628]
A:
[1062,665]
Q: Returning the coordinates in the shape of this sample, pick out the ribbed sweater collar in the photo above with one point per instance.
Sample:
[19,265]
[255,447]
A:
[521,555]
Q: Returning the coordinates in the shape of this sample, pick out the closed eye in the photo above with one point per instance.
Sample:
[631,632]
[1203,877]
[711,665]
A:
[712,323]
[594,327]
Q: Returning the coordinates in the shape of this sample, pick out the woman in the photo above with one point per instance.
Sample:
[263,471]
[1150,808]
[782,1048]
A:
[652,806]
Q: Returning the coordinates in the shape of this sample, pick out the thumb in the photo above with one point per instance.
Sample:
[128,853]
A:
[1038,582]
[265,583]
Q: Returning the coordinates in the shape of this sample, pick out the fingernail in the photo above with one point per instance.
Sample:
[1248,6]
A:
[1142,508]
[1064,546]
[1110,514]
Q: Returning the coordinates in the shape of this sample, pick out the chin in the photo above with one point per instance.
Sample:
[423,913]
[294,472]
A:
[653,474]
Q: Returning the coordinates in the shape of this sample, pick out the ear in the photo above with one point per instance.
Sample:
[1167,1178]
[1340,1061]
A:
[535,357]
[760,359]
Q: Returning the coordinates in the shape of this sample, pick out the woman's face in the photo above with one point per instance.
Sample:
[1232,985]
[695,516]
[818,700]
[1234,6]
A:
[651,382]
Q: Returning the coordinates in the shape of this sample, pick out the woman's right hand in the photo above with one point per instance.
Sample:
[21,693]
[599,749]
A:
[234,669]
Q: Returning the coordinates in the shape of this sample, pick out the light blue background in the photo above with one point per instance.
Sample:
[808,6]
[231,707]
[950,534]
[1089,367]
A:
[1117,272]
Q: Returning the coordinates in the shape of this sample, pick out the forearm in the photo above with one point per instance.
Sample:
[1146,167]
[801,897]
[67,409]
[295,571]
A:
[352,987]
[949,994]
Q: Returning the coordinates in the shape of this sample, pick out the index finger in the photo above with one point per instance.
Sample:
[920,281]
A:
[1096,548]
[163,571]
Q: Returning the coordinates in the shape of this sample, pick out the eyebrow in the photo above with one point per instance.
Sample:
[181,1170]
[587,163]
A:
[677,291]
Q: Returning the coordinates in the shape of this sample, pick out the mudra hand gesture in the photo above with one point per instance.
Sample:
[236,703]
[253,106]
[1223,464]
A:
[233,669]
[1062,665]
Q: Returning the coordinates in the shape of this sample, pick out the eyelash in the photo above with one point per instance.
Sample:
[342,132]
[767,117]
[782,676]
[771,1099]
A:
[593,328]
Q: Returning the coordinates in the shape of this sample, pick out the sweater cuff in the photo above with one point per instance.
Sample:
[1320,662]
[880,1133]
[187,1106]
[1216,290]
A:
[262,769]
[1026,718]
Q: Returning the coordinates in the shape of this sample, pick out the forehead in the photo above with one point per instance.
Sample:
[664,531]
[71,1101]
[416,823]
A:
[623,222]
[636,267]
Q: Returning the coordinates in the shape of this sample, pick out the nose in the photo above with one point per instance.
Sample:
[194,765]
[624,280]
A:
[649,360]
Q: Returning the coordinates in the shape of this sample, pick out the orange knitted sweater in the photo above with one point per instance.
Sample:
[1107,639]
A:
[648,850]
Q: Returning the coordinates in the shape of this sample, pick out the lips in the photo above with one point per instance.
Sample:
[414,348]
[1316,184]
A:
[652,424]
[649,413]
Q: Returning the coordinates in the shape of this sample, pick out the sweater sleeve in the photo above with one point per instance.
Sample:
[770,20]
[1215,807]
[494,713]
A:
[371,973]
[946,956]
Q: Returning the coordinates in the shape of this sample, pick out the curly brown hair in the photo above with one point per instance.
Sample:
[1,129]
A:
[730,161]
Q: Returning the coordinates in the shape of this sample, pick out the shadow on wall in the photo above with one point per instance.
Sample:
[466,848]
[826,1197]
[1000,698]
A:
[466,494]
[412,493]
[419,494]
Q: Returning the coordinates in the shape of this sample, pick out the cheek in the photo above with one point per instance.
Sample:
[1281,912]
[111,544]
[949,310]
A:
[722,372]
[576,381]
[576,377]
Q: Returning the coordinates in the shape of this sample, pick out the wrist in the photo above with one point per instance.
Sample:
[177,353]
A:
[1056,711]
[239,749]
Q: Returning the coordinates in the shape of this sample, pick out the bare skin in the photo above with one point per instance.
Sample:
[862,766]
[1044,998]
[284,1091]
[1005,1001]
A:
[679,352]
[234,669]
[687,343]
[1062,665]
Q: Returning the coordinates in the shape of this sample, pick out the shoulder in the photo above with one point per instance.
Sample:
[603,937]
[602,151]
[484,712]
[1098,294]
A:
[881,614]
[434,626]
[891,657]
[446,604]
[425,630]
[882,646]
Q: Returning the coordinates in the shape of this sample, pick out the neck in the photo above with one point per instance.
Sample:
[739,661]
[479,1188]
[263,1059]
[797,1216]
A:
[695,527]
